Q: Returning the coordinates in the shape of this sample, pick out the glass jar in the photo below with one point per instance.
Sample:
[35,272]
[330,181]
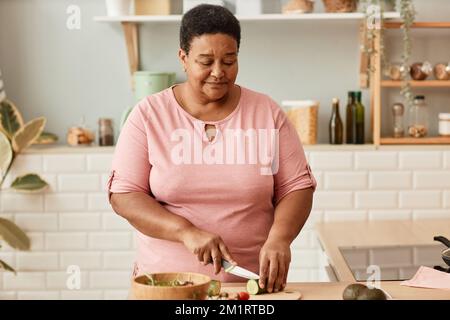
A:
[398,111]
[444,124]
[418,118]
[105,132]
[395,71]
[442,71]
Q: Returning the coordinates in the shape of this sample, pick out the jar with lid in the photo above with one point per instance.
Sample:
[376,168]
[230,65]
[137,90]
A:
[418,118]
[106,132]
[444,124]
[397,112]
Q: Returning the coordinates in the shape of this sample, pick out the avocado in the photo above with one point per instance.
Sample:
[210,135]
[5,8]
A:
[371,294]
[352,291]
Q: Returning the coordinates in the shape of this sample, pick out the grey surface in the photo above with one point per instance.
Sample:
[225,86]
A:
[64,75]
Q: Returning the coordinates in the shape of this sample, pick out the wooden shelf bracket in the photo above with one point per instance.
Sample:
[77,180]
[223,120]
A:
[131,32]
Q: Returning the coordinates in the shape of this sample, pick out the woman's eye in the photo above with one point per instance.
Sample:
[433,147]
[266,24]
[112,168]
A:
[229,63]
[206,63]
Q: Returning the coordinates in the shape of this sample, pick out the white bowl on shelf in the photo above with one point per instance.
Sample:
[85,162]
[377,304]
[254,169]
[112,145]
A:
[115,8]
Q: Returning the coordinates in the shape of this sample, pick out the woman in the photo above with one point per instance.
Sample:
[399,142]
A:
[208,169]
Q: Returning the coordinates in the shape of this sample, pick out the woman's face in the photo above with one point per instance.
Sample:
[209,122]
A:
[211,65]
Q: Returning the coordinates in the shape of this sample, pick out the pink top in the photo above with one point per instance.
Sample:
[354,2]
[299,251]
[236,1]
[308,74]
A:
[228,186]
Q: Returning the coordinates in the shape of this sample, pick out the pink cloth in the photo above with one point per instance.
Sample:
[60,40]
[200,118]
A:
[427,277]
[233,199]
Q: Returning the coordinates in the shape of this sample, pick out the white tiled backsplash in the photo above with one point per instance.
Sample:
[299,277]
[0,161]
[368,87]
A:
[73,224]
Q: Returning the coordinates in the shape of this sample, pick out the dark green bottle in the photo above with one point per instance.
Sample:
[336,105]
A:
[349,118]
[336,128]
[358,118]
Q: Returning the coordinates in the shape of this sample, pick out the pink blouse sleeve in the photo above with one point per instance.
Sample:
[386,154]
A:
[131,167]
[294,172]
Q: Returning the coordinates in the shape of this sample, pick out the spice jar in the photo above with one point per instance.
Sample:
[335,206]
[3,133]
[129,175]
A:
[394,71]
[444,124]
[105,132]
[398,111]
[442,71]
[418,118]
[421,71]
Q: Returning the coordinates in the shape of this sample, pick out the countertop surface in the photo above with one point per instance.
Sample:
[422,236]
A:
[334,235]
[333,290]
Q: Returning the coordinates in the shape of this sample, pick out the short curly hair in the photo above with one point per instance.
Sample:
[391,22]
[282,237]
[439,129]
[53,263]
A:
[208,19]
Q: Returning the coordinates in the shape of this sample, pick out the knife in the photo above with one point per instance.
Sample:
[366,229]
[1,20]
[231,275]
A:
[239,271]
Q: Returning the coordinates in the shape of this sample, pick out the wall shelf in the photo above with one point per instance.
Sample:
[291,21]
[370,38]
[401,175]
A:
[130,25]
[415,141]
[261,17]
[377,85]
[417,84]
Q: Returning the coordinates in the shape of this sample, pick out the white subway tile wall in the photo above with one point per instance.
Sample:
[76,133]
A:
[72,223]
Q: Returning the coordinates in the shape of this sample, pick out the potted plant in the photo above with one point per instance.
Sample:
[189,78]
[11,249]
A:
[16,136]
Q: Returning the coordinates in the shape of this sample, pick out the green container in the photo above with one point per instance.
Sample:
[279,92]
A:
[147,83]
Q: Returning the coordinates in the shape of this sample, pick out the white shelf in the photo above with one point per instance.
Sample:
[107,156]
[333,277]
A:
[263,17]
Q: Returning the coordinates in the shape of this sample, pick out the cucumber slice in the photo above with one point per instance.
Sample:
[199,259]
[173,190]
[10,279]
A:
[214,288]
[254,288]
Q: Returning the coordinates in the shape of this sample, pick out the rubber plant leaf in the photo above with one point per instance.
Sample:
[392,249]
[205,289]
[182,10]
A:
[6,155]
[29,182]
[28,134]
[5,266]
[13,235]
[11,119]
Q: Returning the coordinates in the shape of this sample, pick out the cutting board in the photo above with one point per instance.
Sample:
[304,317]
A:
[287,294]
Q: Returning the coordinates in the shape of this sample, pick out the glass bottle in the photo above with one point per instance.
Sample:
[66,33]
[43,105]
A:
[349,117]
[418,118]
[106,132]
[336,128]
[397,111]
[358,119]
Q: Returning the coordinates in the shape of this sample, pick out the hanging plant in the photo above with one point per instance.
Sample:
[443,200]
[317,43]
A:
[407,15]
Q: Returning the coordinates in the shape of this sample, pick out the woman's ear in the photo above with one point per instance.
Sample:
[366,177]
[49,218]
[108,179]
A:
[183,58]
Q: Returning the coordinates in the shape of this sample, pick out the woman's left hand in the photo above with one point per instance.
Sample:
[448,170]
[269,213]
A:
[274,260]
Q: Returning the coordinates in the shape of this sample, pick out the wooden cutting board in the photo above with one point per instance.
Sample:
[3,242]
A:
[287,294]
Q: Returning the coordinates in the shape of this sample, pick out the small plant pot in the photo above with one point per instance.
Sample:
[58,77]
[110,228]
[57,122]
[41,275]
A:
[116,8]
[299,6]
[340,6]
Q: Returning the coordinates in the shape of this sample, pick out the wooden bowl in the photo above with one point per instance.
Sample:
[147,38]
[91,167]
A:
[199,291]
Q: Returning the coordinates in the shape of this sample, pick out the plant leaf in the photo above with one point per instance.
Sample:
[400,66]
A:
[46,138]
[11,119]
[13,235]
[28,134]
[6,155]
[29,182]
[5,266]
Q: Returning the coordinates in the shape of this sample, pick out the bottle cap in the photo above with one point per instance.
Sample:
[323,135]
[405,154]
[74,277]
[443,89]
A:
[335,100]
[105,121]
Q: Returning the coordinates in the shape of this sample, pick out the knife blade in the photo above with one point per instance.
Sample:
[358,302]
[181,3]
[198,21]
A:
[239,271]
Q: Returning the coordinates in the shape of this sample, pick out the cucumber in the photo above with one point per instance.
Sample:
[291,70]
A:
[214,288]
[254,288]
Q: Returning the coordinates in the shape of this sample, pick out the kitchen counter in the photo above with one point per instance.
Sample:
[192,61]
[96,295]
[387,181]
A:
[333,290]
[334,235]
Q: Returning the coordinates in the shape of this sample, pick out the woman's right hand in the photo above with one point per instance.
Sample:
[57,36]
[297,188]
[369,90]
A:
[208,247]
